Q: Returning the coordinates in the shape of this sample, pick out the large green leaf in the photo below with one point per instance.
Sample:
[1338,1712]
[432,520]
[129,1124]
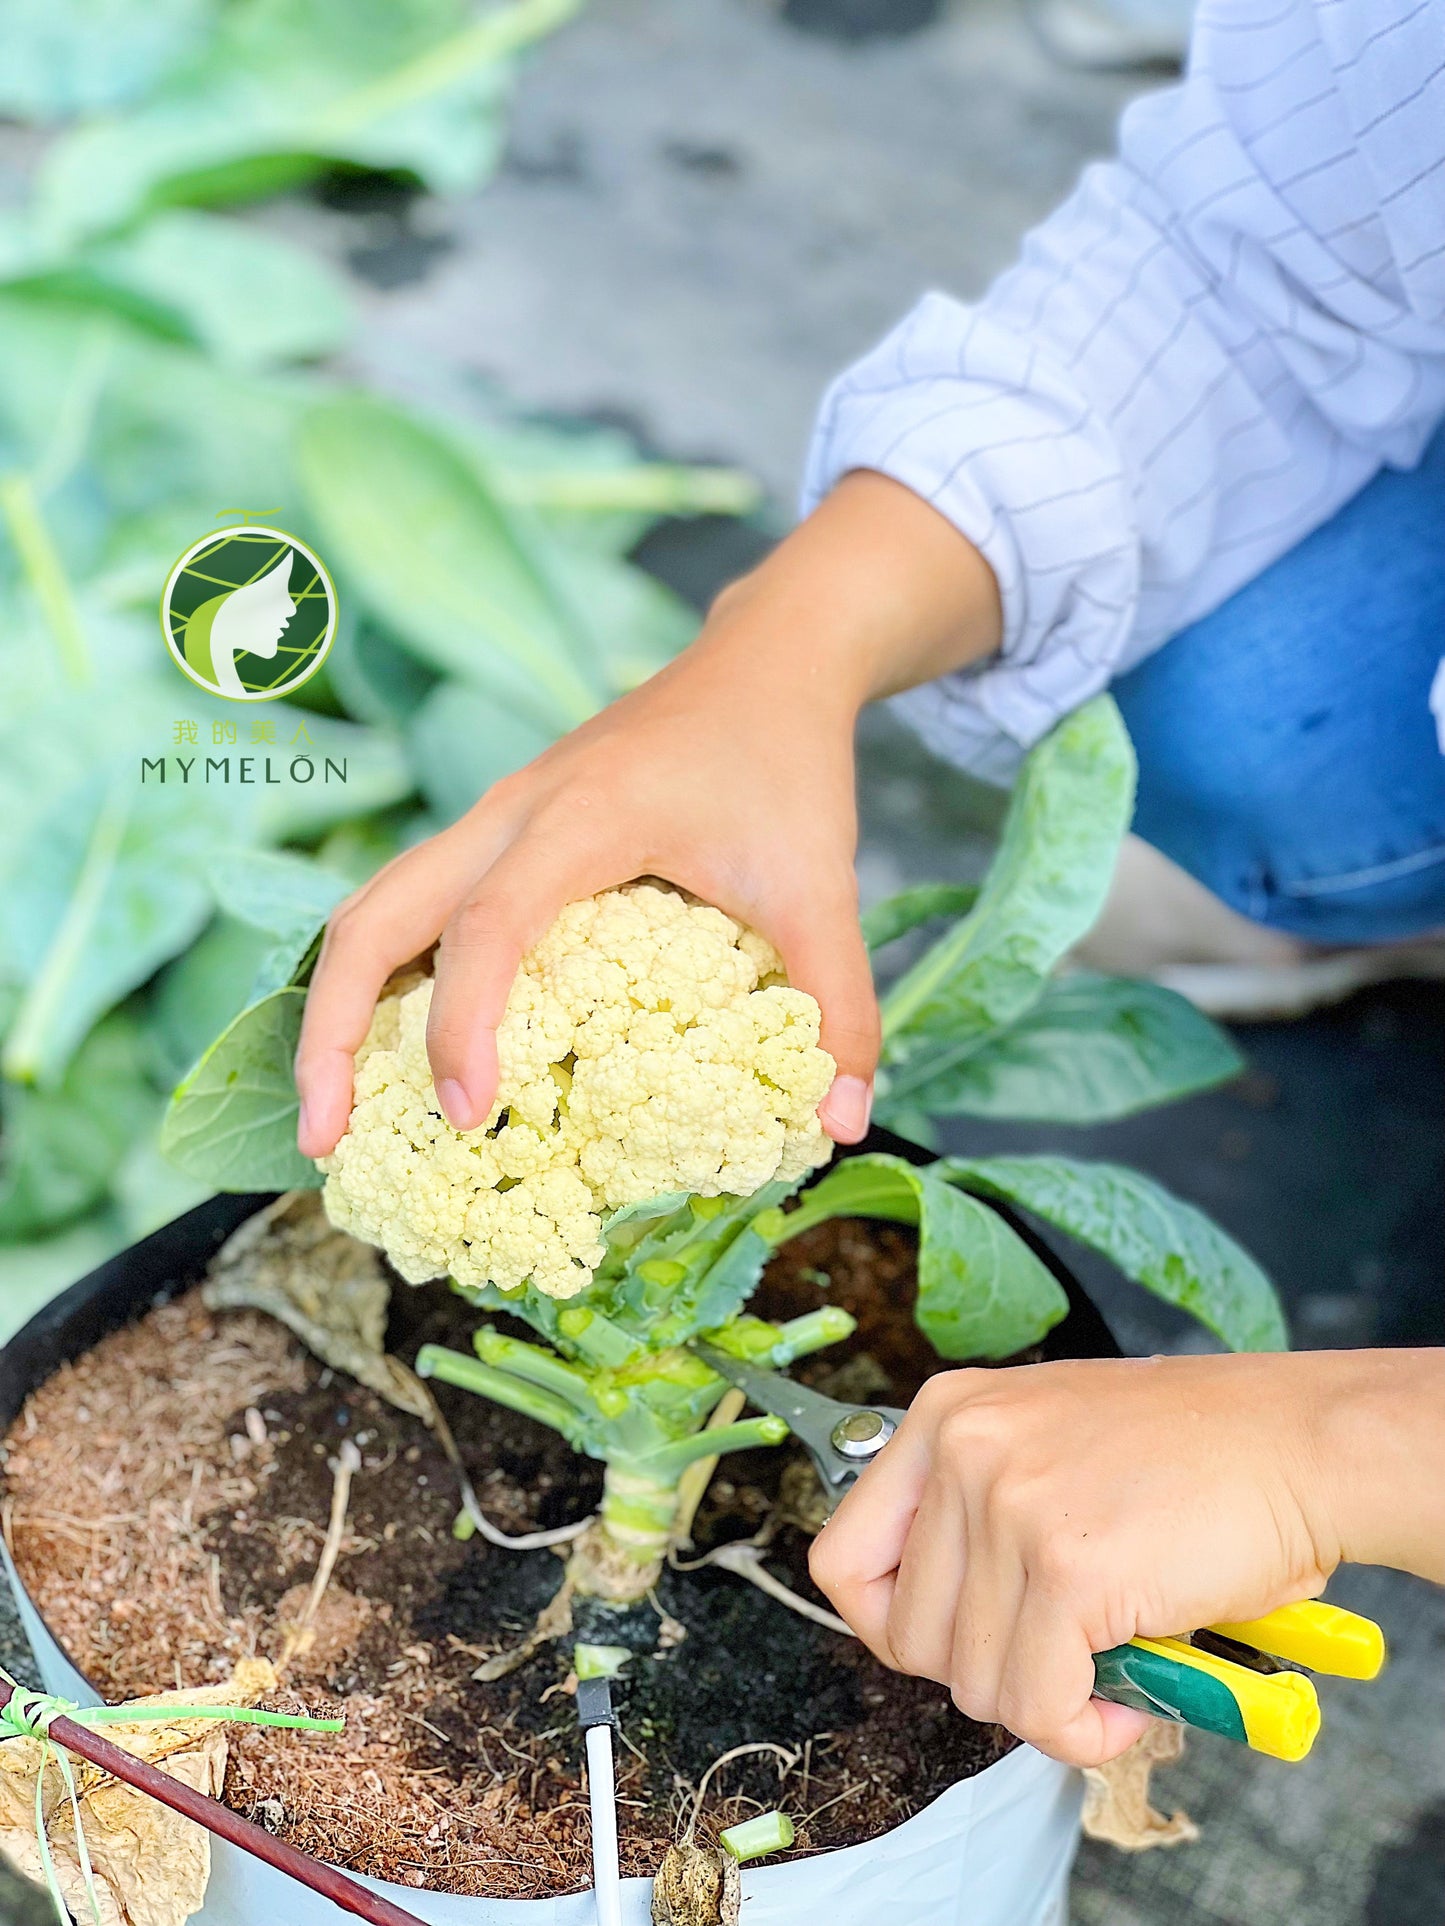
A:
[1154,1238]
[109,885]
[287,896]
[287,86]
[1092,1048]
[249,297]
[62,1146]
[166,435]
[445,565]
[232,1123]
[32,1273]
[639,624]
[195,997]
[981,1291]
[1044,890]
[462,741]
[885,922]
[377,680]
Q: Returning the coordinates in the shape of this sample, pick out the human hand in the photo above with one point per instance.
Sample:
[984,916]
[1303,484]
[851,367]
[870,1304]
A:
[729,773]
[1022,1520]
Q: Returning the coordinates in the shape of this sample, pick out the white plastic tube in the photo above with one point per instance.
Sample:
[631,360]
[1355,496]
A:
[994,1850]
[602,1797]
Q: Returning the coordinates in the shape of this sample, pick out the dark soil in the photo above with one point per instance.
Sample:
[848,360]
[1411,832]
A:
[477,1787]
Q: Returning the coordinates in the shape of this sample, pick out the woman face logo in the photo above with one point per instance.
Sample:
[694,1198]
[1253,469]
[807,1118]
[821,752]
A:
[249,614]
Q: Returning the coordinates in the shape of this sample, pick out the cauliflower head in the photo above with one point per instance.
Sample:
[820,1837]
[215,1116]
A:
[650,1044]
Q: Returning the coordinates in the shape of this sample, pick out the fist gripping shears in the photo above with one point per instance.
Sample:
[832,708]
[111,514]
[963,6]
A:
[1238,1680]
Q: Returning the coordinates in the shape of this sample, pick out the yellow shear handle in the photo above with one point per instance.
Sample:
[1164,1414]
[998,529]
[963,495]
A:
[1279,1711]
[1325,1638]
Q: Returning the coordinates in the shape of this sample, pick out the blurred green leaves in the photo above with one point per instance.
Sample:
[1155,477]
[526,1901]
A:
[154,351]
[67,57]
[280,89]
[453,573]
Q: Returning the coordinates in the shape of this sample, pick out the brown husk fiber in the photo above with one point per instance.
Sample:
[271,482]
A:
[166,1502]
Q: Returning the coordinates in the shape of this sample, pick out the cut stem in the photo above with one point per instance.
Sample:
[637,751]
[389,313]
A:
[768,1832]
[814,1331]
[470,1374]
[536,1365]
[674,1459]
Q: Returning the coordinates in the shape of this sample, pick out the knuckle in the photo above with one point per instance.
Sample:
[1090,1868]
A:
[347,922]
[1018,1502]
[729,599]
[911,1646]
[503,794]
[972,1698]
[937,1396]
[1063,1566]
[474,924]
[969,1432]
[1018,1710]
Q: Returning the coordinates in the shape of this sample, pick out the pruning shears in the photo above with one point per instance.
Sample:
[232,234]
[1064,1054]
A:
[1237,1680]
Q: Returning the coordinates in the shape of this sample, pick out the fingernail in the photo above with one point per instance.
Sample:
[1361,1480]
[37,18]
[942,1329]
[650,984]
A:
[455,1102]
[303,1130]
[847,1108]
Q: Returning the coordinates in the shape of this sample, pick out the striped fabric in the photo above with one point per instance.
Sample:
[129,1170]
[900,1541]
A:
[1207,349]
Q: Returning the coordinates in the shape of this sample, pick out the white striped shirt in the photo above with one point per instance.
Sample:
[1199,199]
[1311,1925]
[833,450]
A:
[1197,359]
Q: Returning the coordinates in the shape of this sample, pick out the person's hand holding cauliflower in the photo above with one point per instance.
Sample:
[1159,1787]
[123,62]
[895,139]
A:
[650,1045]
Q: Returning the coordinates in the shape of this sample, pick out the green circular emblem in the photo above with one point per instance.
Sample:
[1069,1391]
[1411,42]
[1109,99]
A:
[249,613]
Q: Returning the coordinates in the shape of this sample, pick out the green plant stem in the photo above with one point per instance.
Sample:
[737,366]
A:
[25,1049]
[768,1832]
[536,1365]
[46,575]
[670,1463]
[492,38]
[814,1331]
[638,1507]
[664,489]
[470,1374]
[885,1198]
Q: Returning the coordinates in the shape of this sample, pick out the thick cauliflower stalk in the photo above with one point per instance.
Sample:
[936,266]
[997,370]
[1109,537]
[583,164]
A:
[650,1045]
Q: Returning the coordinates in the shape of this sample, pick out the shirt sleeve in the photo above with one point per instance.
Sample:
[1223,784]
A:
[1197,359]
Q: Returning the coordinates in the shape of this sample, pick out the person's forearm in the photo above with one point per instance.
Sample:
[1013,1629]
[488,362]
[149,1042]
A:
[1384,1453]
[874,593]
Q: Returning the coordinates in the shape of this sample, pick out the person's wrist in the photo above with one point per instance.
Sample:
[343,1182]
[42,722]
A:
[876,592]
[756,639]
[1381,1439]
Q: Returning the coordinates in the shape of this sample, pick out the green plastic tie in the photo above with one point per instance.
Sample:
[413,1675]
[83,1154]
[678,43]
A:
[30,1715]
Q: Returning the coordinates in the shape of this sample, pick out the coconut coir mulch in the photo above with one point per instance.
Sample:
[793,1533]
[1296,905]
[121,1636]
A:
[166,1502]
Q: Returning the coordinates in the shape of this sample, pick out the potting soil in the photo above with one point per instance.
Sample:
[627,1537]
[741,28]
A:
[167,1498]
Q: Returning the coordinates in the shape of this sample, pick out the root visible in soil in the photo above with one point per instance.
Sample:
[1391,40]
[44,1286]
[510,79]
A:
[167,1504]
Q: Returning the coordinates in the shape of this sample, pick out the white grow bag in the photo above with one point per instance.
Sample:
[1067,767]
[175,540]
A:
[994,1850]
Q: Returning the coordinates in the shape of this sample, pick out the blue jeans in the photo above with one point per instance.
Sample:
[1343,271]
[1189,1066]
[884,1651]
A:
[1287,754]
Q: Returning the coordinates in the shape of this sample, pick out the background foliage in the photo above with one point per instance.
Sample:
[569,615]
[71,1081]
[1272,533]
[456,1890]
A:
[162,362]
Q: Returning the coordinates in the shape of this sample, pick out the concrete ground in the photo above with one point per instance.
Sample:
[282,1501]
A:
[703,215]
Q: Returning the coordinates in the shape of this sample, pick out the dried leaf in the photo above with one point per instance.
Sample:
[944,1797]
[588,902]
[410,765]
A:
[1116,1796]
[328,1288]
[151,1865]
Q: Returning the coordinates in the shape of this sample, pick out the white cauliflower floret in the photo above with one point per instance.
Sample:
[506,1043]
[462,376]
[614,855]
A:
[650,1044]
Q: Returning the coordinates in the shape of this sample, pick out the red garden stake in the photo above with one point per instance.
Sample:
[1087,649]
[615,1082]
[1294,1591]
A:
[216,1818]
